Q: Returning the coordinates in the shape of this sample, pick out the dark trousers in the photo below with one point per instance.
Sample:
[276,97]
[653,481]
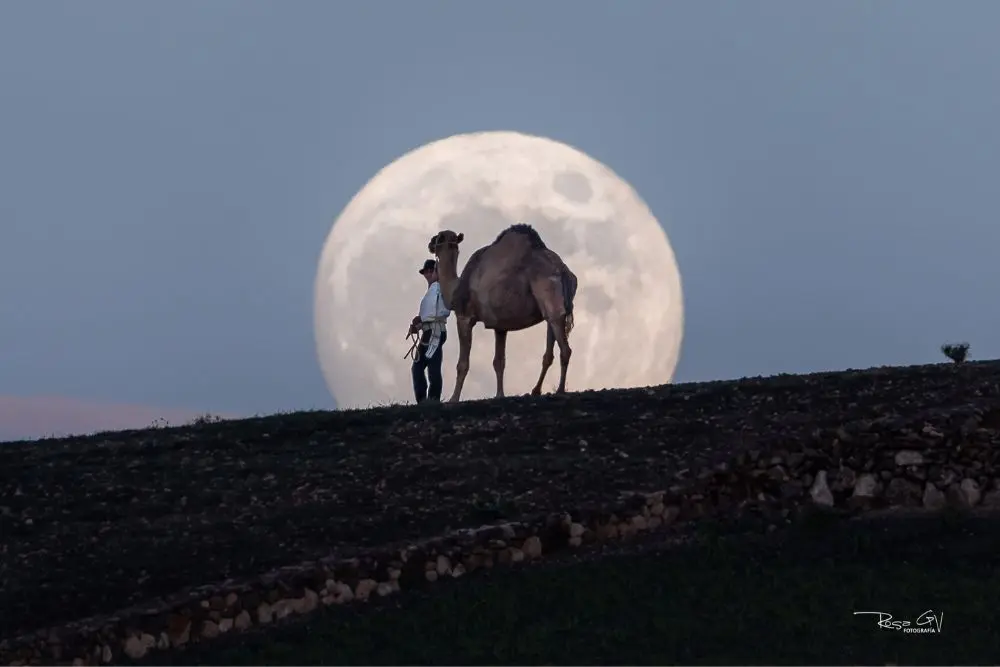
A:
[432,366]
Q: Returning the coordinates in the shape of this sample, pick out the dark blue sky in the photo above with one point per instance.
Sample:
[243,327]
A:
[826,173]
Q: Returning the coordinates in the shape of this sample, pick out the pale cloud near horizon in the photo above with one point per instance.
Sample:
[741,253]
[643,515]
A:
[34,417]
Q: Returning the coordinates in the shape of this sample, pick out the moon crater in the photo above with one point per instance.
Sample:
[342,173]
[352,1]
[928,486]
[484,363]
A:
[573,186]
[597,300]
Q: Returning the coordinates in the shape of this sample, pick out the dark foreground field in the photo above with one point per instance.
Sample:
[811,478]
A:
[127,540]
[788,598]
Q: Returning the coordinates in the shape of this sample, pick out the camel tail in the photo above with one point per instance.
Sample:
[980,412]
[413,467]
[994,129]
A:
[569,293]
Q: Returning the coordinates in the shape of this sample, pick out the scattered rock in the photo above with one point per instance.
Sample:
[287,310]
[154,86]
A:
[225,625]
[343,593]
[934,498]
[965,493]
[136,646]
[865,486]
[971,491]
[820,491]
[133,648]
[307,603]
[243,620]
[283,609]
[932,432]
[992,499]
[908,457]
[532,547]
[365,588]
[264,613]
[210,630]
[626,530]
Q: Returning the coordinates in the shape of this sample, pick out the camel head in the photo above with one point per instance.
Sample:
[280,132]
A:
[444,241]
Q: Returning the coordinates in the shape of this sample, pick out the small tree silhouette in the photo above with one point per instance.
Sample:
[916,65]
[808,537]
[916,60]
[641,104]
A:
[957,352]
[207,418]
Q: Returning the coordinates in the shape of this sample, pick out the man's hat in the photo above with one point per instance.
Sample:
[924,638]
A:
[429,266]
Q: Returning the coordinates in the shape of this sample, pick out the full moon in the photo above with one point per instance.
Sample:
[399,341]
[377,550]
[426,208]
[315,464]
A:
[628,311]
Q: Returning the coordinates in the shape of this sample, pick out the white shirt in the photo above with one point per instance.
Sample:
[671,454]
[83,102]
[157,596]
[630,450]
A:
[432,305]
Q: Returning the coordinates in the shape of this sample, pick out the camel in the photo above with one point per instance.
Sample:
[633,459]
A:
[512,284]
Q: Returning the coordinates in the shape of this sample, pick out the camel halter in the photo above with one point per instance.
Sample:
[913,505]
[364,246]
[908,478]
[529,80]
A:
[448,244]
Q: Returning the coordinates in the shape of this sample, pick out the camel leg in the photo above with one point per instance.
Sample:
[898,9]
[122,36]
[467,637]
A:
[551,299]
[559,329]
[464,326]
[499,356]
[550,343]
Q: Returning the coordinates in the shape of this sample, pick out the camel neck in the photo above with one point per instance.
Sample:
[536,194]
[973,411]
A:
[447,277]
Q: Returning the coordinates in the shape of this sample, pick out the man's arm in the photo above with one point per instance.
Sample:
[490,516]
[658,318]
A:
[428,305]
[440,309]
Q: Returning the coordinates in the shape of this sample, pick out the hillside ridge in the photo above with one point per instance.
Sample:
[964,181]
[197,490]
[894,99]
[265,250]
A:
[185,518]
[477,407]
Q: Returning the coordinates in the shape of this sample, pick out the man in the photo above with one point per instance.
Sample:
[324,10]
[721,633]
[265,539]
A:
[432,323]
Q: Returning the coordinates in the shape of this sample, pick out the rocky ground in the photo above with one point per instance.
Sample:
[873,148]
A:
[95,524]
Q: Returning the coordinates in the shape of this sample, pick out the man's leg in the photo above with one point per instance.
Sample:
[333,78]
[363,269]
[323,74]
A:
[417,371]
[434,371]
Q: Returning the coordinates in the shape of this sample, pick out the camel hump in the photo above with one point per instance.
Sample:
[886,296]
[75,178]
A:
[523,231]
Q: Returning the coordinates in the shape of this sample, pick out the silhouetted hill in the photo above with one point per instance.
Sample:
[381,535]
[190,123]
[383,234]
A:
[209,528]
